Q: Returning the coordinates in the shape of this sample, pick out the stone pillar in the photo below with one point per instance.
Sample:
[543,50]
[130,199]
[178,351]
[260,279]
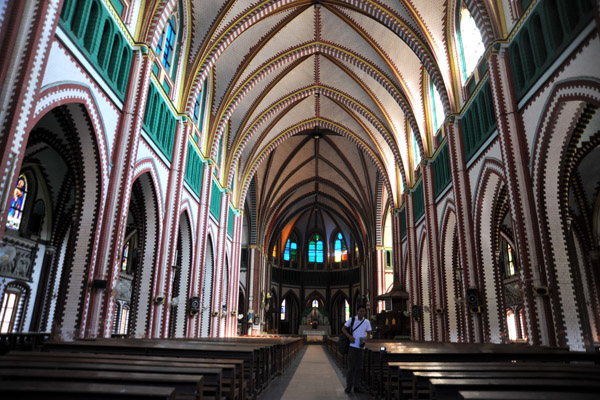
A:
[515,159]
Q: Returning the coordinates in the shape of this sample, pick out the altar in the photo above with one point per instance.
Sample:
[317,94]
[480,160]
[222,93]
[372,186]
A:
[314,334]
[315,325]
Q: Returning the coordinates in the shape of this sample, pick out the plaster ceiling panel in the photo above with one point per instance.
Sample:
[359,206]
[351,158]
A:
[301,76]
[338,32]
[404,59]
[204,15]
[331,111]
[331,75]
[304,173]
[298,31]
[300,112]
[229,61]
[304,72]
[237,9]
[400,10]
[433,15]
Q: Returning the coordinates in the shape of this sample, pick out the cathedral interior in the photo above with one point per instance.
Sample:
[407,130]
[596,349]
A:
[220,168]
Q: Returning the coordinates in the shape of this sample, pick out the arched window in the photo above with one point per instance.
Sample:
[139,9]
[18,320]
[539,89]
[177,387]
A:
[436,109]
[511,323]
[291,251]
[315,303]
[275,251]
[125,257]
[415,149]
[469,41]
[8,311]
[124,320]
[346,310]
[17,204]
[341,252]
[508,258]
[315,249]
[283,310]
[166,45]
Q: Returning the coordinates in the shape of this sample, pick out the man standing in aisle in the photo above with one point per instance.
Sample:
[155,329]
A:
[356,328]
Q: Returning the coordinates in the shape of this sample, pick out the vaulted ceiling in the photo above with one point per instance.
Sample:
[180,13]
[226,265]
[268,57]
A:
[315,100]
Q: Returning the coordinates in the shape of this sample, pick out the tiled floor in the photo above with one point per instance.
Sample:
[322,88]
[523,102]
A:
[313,375]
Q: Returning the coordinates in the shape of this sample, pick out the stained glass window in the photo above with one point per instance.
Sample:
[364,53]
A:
[315,249]
[511,263]
[283,310]
[341,252]
[315,303]
[290,250]
[346,310]
[15,214]
[169,44]
[274,251]
[125,257]
[469,41]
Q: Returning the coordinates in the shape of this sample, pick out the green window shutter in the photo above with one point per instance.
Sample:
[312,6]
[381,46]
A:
[441,169]
[478,122]
[215,201]
[403,225]
[193,170]
[418,200]
[230,223]
[159,122]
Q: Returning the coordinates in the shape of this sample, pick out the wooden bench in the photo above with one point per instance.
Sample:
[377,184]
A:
[515,395]
[33,390]
[232,382]
[212,384]
[448,389]
[376,369]
[188,349]
[187,387]
[402,383]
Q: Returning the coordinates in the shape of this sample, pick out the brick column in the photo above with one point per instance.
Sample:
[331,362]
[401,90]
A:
[414,281]
[462,197]
[515,159]
[433,245]
[101,306]
[20,77]
[170,229]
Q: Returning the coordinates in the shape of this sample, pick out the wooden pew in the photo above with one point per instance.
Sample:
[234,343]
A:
[402,383]
[376,370]
[421,379]
[187,387]
[515,395]
[448,389]
[232,370]
[212,384]
[33,390]
[163,348]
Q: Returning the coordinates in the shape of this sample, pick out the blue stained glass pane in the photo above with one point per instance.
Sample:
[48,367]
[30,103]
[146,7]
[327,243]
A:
[169,42]
[162,36]
[311,251]
[338,250]
[286,253]
[319,252]
[340,235]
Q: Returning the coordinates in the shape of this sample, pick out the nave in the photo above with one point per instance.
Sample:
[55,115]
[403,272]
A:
[312,375]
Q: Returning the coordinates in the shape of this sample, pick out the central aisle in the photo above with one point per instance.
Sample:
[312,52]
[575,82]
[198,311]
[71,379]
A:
[311,376]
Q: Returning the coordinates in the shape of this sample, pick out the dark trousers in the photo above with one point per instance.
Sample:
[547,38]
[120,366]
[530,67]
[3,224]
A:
[355,361]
